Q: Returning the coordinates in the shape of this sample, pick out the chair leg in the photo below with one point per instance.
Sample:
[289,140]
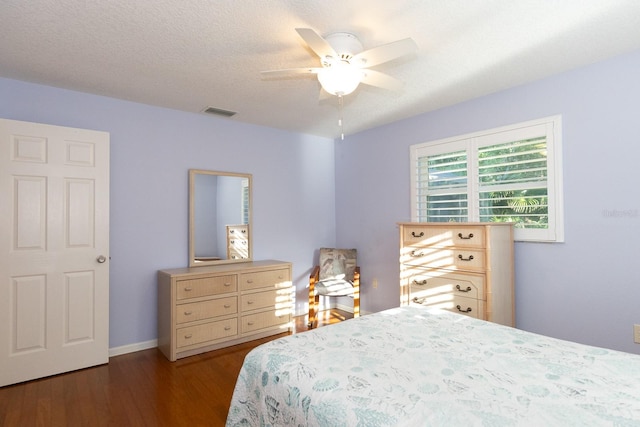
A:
[356,293]
[312,312]
[313,298]
[313,321]
[356,305]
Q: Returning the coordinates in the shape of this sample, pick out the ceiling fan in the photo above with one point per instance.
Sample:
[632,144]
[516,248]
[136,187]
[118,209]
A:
[345,63]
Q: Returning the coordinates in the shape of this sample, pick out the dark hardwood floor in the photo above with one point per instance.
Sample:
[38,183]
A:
[138,389]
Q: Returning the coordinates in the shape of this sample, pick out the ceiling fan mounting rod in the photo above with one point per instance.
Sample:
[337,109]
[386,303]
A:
[346,45]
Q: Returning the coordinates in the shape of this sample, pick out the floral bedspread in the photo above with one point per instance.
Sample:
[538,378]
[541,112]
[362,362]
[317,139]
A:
[412,366]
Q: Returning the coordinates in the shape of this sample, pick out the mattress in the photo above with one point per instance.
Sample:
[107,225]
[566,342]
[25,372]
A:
[413,366]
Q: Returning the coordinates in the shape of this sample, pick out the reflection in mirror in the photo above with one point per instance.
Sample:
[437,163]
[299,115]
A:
[219,217]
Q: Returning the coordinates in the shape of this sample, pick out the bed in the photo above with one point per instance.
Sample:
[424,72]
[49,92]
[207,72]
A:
[414,366]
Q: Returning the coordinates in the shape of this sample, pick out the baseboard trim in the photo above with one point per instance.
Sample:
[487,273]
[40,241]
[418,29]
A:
[344,307]
[131,348]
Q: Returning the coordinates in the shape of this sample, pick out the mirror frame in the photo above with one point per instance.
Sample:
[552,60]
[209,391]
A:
[192,200]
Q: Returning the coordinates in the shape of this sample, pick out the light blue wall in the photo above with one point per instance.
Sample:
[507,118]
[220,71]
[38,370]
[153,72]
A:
[151,151]
[586,289]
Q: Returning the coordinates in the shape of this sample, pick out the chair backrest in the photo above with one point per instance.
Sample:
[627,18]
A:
[337,263]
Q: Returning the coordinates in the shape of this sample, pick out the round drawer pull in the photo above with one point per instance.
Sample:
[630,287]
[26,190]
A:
[227,284]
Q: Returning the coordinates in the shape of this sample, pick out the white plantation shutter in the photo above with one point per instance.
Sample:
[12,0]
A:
[510,174]
[245,201]
[515,174]
[442,187]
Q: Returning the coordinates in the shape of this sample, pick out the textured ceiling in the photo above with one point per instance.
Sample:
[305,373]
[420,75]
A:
[188,55]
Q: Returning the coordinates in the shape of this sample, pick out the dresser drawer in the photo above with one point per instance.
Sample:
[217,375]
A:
[436,283]
[455,303]
[278,298]
[238,231]
[453,235]
[452,259]
[238,243]
[265,279]
[214,285]
[234,252]
[267,319]
[206,332]
[206,309]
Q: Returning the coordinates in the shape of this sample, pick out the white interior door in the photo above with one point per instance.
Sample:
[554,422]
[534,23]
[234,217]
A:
[54,250]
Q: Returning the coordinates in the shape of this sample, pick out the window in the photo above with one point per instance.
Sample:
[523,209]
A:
[245,200]
[509,174]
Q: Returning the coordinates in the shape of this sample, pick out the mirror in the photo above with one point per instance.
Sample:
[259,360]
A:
[219,217]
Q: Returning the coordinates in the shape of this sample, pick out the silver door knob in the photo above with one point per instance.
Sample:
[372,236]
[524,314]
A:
[101,259]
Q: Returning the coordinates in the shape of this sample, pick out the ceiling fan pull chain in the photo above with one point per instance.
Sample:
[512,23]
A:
[340,105]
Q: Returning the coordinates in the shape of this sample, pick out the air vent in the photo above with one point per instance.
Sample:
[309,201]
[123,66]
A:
[219,112]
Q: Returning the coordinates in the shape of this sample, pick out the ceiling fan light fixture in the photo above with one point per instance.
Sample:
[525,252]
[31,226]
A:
[340,79]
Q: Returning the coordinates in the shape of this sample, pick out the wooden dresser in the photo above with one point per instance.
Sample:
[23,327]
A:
[206,308]
[463,267]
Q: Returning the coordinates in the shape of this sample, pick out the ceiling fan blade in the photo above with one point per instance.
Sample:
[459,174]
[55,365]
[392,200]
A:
[319,45]
[289,72]
[378,79]
[385,53]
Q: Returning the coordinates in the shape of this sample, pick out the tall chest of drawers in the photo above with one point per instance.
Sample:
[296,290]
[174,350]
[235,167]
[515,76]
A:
[463,267]
[206,308]
[238,241]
